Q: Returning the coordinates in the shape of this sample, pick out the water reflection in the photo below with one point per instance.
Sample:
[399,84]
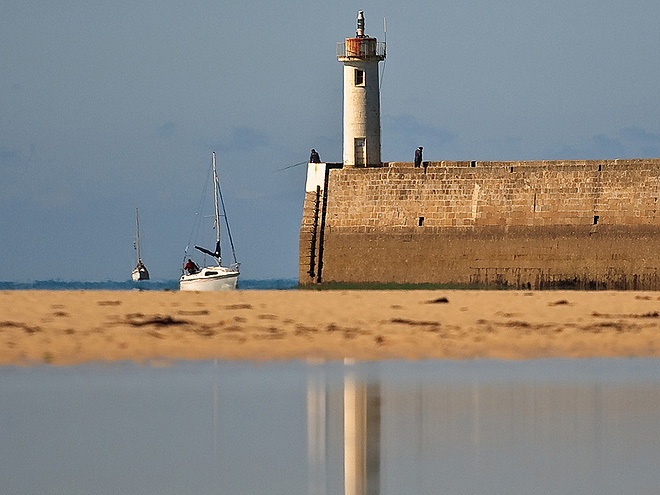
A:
[361,436]
[589,426]
[317,433]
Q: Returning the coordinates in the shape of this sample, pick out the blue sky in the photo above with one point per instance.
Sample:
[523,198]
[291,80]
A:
[109,106]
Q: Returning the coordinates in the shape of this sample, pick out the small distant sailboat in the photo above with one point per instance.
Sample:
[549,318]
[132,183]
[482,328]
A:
[214,277]
[140,272]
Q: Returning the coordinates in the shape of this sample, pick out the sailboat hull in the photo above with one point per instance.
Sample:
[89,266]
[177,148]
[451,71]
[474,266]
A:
[210,279]
[140,274]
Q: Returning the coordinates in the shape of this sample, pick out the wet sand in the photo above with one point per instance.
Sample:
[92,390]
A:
[72,327]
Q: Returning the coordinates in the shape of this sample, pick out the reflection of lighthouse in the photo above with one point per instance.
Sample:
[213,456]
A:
[357,410]
[360,56]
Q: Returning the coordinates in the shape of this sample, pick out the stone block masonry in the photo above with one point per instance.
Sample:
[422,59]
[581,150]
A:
[540,224]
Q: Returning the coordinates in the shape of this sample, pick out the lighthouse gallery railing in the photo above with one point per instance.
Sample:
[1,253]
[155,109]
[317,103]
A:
[361,47]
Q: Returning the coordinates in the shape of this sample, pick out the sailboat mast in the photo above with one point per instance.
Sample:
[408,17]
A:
[137,223]
[217,210]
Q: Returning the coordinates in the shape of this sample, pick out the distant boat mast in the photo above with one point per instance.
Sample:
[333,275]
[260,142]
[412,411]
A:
[140,271]
[137,246]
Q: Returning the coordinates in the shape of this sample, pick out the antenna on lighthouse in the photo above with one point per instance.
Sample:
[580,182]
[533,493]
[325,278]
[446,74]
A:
[382,70]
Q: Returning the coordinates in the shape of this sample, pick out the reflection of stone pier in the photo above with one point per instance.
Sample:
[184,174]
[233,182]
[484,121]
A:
[316,434]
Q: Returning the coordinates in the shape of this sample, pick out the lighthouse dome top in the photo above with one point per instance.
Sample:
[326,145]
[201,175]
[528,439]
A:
[362,47]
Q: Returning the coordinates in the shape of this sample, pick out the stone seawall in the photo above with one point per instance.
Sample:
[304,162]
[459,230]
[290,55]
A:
[590,224]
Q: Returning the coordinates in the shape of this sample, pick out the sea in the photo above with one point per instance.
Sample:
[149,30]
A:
[173,284]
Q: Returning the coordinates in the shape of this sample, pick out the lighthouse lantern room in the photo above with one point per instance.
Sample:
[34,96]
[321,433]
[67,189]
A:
[361,130]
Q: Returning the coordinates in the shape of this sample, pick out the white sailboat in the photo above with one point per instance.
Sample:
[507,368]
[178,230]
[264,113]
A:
[213,277]
[140,272]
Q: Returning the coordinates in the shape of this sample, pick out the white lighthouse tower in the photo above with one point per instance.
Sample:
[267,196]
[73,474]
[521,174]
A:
[360,56]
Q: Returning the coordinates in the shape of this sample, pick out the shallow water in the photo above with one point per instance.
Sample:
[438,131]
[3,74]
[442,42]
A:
[510,427]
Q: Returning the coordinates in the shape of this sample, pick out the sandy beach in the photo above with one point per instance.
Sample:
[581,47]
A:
[153,327]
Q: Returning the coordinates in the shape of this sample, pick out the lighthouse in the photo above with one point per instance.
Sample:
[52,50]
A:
[361,131]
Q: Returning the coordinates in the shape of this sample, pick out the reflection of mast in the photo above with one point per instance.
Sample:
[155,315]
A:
[216,416]
[361,438]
